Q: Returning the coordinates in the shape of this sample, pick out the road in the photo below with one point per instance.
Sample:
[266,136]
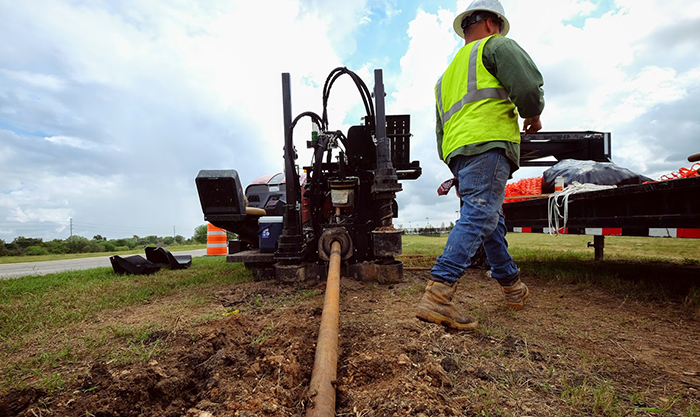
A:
[49,267]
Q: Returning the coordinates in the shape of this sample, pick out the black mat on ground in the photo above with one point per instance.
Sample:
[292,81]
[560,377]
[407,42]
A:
[163,256]
[135,264]
[155,256]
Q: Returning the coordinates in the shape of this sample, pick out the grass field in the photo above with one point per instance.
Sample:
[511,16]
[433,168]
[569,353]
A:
[532,246]
[44,310]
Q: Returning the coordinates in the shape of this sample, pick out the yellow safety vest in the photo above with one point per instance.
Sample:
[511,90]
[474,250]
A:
[473,105]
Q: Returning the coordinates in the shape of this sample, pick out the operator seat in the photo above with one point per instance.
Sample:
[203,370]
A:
[224,205]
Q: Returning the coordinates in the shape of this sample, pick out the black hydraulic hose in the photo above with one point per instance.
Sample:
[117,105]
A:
[329,156]
[367,97]
[342,138]
[315,117]
[361,86]
[322,145]
[326,89]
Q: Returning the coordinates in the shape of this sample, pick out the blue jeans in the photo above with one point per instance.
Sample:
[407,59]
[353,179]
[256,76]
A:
[482,181]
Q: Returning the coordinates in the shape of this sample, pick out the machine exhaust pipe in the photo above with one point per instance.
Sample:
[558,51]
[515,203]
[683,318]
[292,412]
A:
[323,377]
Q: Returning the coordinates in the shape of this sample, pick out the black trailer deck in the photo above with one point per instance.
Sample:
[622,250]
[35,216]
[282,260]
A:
[659,209]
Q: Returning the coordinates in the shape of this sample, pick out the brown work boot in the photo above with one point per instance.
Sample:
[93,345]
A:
[436,306]
[516,294]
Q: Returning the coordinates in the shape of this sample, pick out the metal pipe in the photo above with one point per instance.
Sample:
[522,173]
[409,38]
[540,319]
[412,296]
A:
[290,245]
[290,220]
[326,362]
[383,145]
[386,183]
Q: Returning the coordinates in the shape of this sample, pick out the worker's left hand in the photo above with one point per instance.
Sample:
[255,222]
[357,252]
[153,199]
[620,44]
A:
[532,124]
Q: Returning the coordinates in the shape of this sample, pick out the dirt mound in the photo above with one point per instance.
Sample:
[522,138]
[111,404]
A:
[244,363]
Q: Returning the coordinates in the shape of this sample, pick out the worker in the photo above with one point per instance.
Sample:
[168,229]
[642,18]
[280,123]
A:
[479,96]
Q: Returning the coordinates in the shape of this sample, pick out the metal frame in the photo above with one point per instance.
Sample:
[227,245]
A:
[584,145]
[665,204]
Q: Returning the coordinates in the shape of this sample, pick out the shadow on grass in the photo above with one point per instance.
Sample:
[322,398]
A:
[654,280]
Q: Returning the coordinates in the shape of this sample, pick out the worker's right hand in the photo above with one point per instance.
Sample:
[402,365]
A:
[532,124]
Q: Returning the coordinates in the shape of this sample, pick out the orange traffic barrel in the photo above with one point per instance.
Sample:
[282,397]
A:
[217,243]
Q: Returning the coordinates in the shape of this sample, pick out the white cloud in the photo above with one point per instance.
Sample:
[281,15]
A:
[390,10]
[44,81]
[430,48]
[652,86]
[69,141]
[122,104]
[605,75]
[108,110]
[41,215]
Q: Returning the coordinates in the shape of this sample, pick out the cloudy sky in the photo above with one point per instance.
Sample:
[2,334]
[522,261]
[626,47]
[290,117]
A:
[108,109]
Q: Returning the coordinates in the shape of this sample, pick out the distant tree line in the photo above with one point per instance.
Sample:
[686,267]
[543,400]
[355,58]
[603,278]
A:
[29,246]
[429,230]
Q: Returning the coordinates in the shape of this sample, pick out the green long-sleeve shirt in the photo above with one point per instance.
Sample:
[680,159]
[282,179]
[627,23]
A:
[513,67]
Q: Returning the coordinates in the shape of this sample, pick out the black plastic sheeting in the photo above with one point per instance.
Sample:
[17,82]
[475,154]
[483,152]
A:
[157,257]
[590,172]
[163,256]
[135,264]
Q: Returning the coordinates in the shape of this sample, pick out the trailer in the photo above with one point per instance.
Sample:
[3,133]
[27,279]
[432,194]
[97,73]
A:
[668,208]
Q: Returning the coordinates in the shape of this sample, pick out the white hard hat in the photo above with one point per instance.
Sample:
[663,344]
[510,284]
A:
[493,6]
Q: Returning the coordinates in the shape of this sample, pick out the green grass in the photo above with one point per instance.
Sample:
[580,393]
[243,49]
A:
[538,245]
[266,333]
[41,310]
[31,304]
[36,303]
[136,351]
[58,257]
[423,245]
[595,397]
[648,266]
[53,382]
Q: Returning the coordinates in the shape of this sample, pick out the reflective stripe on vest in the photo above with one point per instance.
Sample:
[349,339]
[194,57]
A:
[498,110]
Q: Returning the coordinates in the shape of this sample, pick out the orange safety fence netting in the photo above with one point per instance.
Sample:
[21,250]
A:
[526,186]
[693,171]
[533,186]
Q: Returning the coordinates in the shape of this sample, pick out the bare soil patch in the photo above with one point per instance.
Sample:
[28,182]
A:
[574,350]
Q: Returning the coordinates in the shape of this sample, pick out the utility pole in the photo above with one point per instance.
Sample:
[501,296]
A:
[72,246]
[174,234]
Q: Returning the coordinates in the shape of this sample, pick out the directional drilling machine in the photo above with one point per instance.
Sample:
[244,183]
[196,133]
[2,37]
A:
[347,194]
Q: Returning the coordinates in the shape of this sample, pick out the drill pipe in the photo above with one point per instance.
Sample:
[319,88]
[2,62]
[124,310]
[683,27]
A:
[326,361]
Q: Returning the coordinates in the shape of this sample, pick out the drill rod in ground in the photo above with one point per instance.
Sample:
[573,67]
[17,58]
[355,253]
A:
[326,362]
